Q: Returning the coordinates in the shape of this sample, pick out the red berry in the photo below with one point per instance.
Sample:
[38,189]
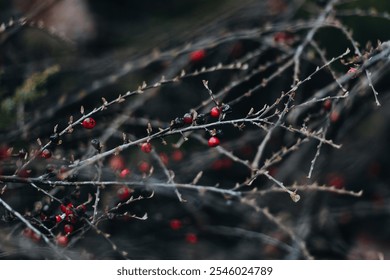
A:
[46,153]
[197,56]
[68,228]
[88,123]
[68,211]
[187,118]
[58,219]
[220,164]
[5,152]
[62,173]
[177,155]
[35,237]
[63,208]
[144,167]
[124,193]
[284,38]
[71,218]
[175,224]
[62,240]
[353,72]
[164,158]
[215,112]
[146,147]
[117,163]
[63,169]
[124,173]
[191,238]
[336,180]
[334,116]
[29,233]
[327,105]
[23,173]
[213,142]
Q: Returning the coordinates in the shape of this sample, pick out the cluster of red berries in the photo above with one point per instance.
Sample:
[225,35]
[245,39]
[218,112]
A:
[70,212]
[334,115]
[188,119]
[117,162]
[68,221]
[87,123]
[29,233]
[216,113]
[71,216]
[190,237]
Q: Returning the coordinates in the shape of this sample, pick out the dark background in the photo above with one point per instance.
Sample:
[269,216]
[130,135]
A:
[91,48]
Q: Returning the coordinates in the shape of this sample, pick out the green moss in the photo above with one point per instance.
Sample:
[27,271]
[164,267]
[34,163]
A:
[33,88]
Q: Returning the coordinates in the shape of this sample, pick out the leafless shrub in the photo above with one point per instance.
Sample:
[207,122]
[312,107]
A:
[244,135]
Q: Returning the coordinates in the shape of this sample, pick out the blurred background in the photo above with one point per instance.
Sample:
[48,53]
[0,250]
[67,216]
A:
[56,56]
